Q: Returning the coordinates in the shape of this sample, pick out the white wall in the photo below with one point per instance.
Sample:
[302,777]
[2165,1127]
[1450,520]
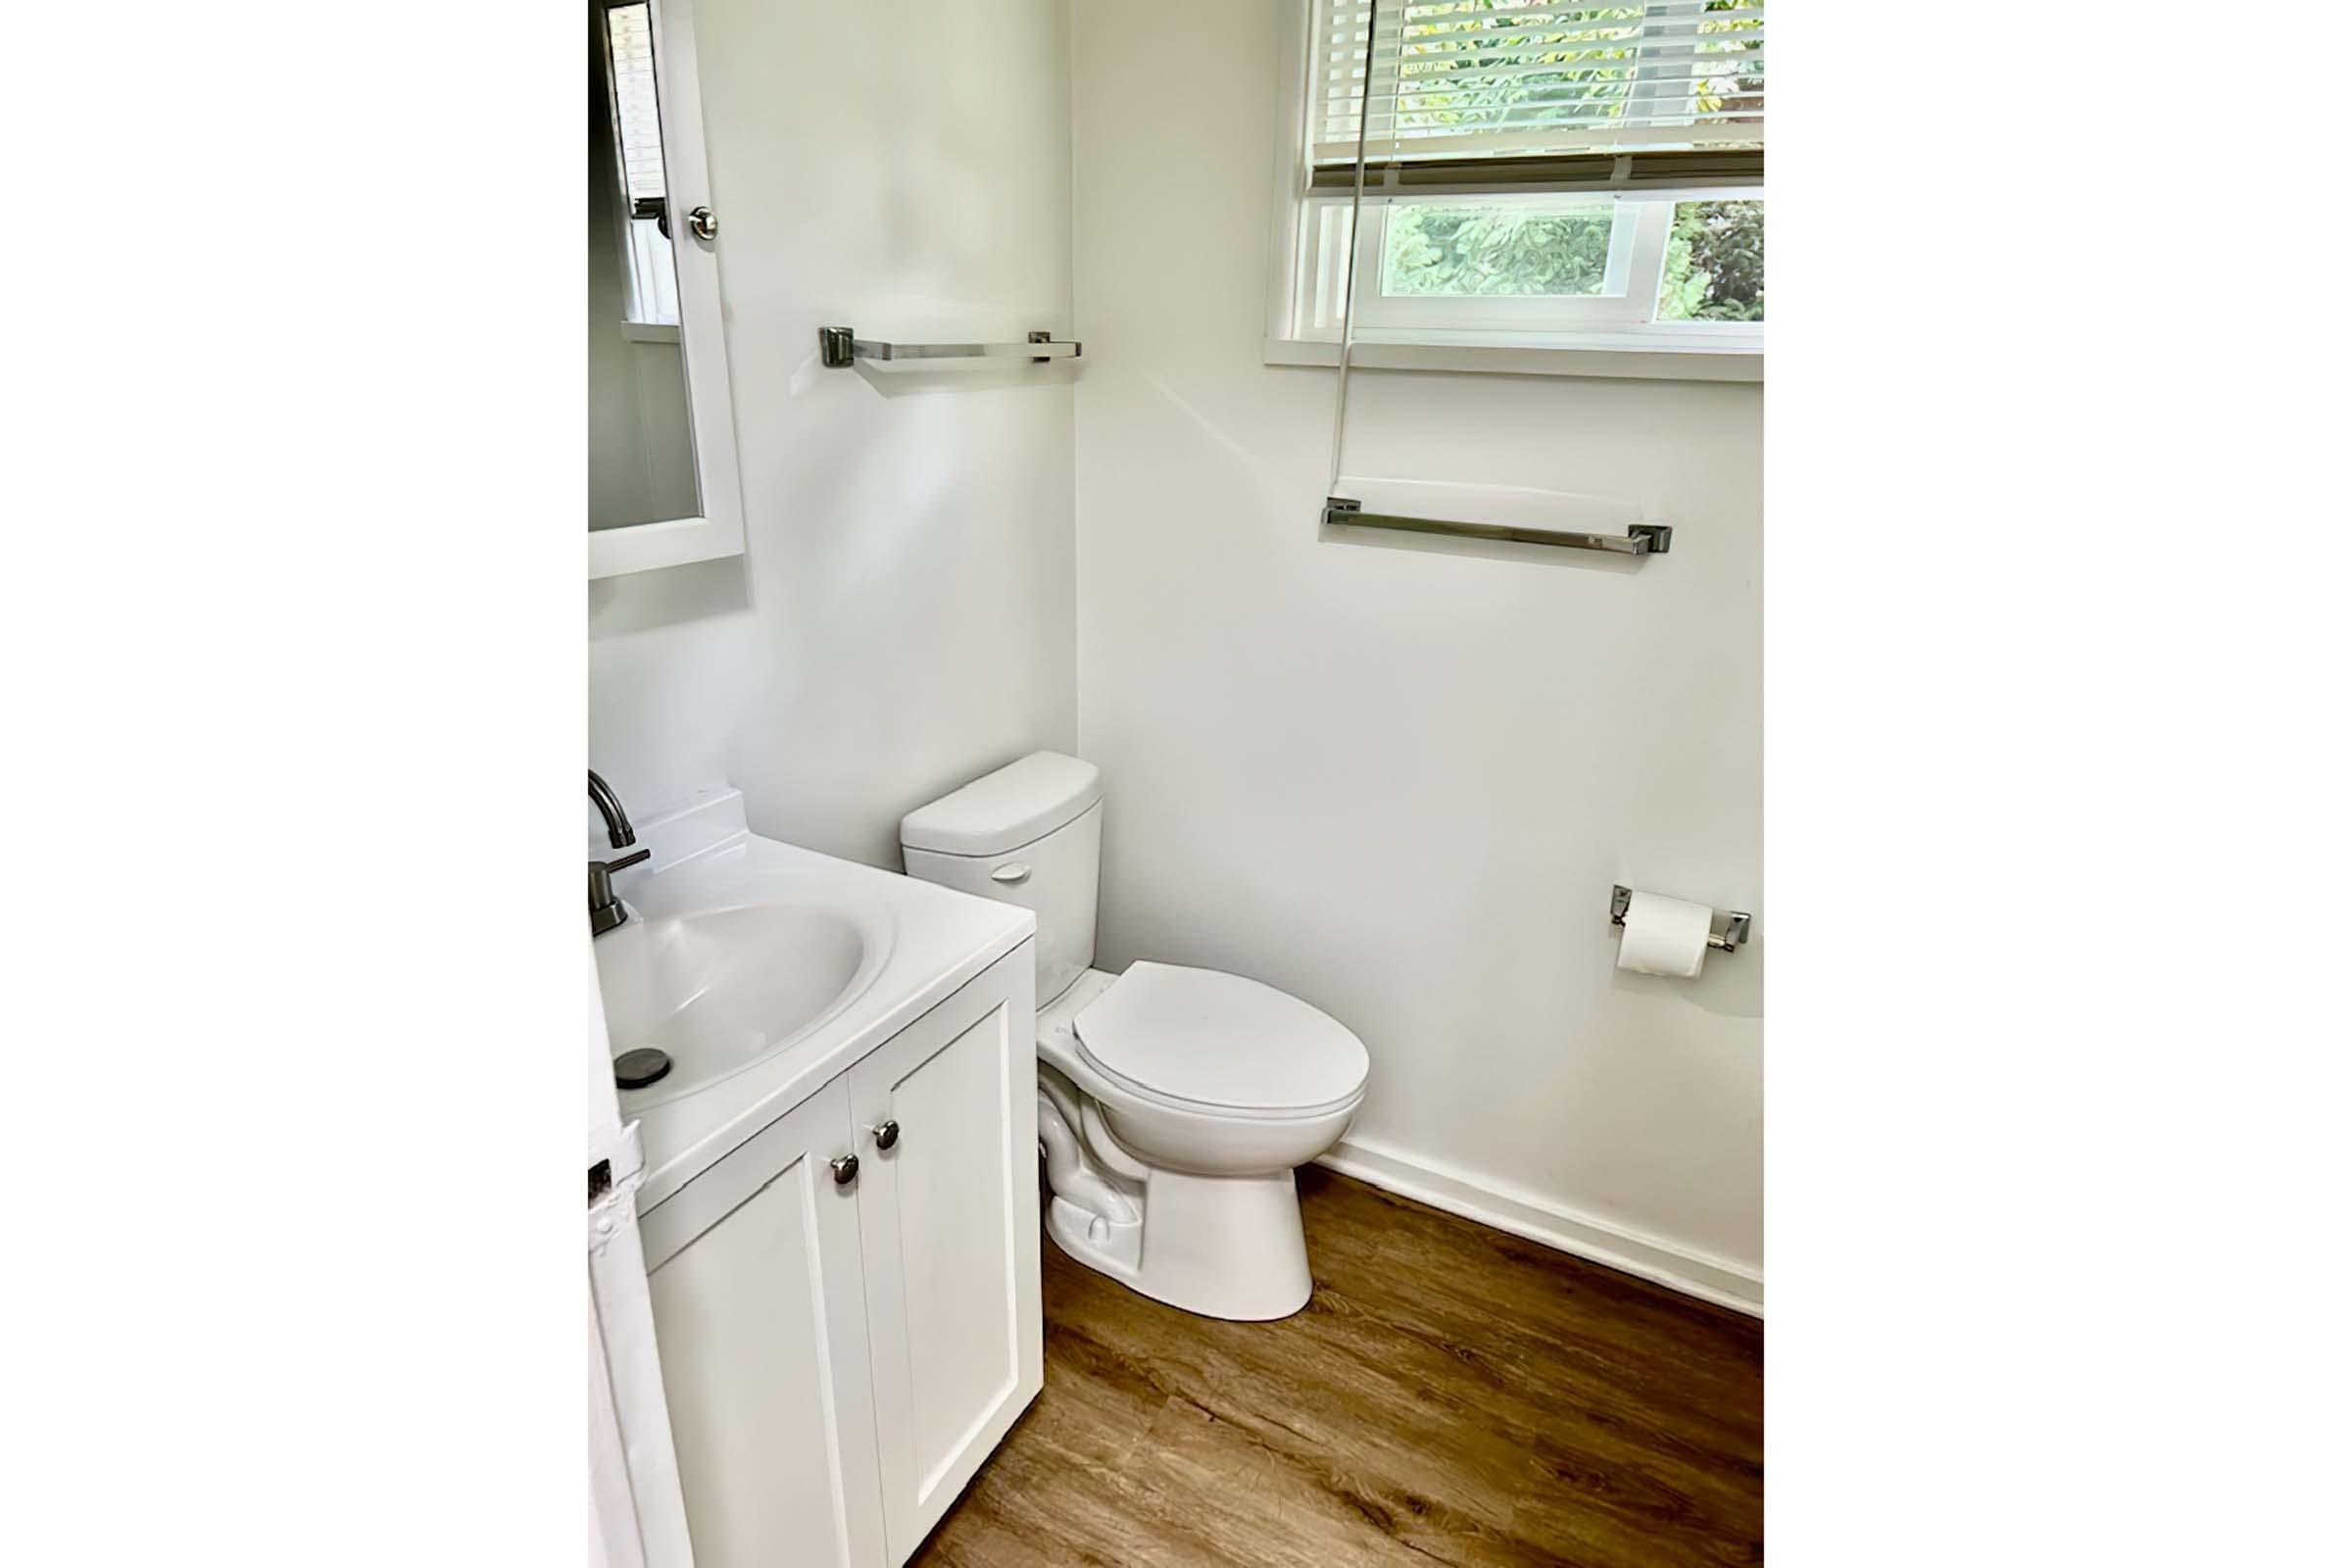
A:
[1396,776]
[903,617]
[1393,776]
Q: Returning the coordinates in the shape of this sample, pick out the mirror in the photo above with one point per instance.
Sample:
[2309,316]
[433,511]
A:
[640,443]
[661,449]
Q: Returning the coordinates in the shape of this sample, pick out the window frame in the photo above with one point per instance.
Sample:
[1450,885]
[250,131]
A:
[1570,335]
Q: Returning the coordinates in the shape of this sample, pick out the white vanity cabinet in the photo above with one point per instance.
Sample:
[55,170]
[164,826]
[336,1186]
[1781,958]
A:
[949,1218]
[760,1312]
[844,1345]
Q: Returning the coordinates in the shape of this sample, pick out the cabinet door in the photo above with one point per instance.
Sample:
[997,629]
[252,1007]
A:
[948,1215]
[760,1315]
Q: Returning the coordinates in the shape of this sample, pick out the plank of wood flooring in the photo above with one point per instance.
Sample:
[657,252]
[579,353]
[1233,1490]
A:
[1450,1395]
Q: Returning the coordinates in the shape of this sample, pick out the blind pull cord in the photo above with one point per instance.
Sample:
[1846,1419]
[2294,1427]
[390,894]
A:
[1642,539]
[1355,245]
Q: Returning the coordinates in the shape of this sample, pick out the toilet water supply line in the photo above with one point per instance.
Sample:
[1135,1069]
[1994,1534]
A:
[1356,219]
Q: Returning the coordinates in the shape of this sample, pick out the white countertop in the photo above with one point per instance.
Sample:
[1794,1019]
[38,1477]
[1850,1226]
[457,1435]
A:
[939,939]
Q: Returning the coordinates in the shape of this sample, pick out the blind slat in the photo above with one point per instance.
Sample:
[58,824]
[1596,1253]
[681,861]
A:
[1427,91]
[1420,76]
[629,35]
[1517,77]
[1352,13]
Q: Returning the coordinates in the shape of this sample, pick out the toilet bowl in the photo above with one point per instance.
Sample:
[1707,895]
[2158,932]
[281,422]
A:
[1174,1102]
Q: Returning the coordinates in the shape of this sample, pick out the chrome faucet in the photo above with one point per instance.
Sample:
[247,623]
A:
[605,909]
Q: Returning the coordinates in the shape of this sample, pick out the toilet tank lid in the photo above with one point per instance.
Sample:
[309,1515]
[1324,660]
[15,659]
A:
[1016,805]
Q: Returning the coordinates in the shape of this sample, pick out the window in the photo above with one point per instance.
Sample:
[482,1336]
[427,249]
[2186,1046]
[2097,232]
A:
[1535,173]
[635,104]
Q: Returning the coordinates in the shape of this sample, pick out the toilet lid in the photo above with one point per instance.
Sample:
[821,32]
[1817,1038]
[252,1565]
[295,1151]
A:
[1217,1039]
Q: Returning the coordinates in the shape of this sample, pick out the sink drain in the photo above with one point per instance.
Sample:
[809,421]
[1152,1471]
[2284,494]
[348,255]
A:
[634,1069]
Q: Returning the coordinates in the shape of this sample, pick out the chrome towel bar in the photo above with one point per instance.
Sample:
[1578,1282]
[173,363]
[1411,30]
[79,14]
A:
[840,346]
[1732,935]
[1642,539]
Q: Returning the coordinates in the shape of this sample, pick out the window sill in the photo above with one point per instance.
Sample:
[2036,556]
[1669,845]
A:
[649,333]
[1642,361]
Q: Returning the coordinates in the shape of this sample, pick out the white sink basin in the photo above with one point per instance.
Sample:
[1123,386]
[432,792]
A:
[722,973]
[762,969]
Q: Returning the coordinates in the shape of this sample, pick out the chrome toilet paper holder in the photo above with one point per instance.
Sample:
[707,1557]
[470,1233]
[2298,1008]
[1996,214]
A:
[1735,921]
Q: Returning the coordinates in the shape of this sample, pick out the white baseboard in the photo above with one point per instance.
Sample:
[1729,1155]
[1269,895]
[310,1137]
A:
[1523,1214]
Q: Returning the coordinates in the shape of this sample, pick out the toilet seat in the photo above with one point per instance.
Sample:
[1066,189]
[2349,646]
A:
[1201,1038]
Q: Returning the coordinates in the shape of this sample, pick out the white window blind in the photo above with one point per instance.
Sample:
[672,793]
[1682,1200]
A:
[1459,80]
[636,129]
[636,104]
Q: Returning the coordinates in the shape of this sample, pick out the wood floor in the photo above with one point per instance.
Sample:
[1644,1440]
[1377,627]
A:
[1451,1395]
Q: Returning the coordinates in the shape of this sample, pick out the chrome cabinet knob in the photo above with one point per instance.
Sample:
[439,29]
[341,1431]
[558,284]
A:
[886,1134]
[704,222]
[845,1169]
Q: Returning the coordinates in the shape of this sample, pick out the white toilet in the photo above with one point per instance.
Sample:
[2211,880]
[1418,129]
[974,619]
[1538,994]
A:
[1173,1103]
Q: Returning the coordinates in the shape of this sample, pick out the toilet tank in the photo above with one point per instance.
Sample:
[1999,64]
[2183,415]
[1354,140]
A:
[1031,834]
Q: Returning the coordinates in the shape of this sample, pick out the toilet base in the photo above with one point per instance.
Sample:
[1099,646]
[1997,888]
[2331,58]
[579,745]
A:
[1225,1246]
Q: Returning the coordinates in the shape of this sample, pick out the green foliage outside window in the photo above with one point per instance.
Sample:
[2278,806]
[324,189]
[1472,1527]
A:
[1586,67]
[1714,264]
[1715,258]
[1456,251]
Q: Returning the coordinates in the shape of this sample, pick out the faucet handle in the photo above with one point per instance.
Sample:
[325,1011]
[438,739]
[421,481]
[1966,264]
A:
[605,909]
[600,880]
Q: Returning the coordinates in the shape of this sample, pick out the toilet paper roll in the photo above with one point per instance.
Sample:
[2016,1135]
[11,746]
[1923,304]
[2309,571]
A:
[1664,936]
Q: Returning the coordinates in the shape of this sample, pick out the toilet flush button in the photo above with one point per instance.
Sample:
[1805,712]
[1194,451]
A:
[1010,871]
